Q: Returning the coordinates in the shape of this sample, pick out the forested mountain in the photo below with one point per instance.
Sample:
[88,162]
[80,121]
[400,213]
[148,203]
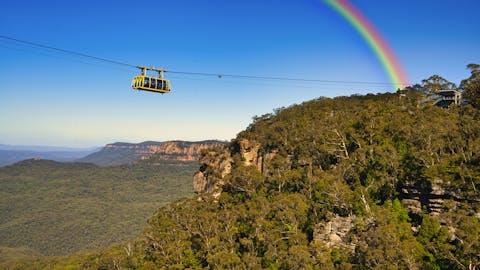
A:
[58,208]
[362,182]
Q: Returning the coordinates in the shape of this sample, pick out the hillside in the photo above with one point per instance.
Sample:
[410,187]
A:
[59,208]
[362,182]
[124,153]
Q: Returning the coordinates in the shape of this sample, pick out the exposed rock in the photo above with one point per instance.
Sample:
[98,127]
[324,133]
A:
[217,163]
[253,155]
[265,158]
[435,206]
[249,152]
[149,152]
[434,197]
[176,150]
[334,233]
[214,166]
[413,206]
[437,187]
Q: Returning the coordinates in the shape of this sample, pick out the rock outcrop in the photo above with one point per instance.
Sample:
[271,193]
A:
[335,232]
[249,153]
[177,150]
[217,163]
[434,197]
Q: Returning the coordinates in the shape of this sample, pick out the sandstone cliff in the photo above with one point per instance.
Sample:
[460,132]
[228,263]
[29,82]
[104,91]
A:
[178,150]
[150,152]
[217,163]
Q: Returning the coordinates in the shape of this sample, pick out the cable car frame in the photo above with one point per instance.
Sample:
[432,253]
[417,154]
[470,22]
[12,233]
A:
[150,83]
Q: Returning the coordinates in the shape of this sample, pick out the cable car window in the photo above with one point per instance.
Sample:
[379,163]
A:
[159,86]
[154,83]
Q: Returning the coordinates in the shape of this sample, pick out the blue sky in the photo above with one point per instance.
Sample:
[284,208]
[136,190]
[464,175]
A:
[50,98]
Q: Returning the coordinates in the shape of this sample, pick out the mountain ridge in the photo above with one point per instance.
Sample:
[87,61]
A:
[8,157]
[119,153]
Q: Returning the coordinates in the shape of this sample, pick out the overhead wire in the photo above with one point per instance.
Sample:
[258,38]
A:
[218,75]
[61,57]
[276,84]
[68,51]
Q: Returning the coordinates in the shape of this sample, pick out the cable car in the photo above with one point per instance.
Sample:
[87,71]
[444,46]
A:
[151,83]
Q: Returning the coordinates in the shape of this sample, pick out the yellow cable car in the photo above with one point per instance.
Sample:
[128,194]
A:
[150,83]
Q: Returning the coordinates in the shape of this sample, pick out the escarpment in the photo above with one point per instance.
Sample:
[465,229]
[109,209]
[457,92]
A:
[352,157]
[149,152]
[216,163]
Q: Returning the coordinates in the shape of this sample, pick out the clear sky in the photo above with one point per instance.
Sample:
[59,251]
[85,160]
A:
[50,98]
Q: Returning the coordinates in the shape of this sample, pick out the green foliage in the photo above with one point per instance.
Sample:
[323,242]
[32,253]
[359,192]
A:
[435,239]
[400,212]
[389,245]
[334,178]
[59,208]
[471,86]
[435,83]
[243,180]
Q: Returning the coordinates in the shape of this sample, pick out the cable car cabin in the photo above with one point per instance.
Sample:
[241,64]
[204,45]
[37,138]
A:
[150,83]
[153,84]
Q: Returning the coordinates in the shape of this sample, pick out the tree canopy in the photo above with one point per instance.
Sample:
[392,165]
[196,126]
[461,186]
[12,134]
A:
[471,85]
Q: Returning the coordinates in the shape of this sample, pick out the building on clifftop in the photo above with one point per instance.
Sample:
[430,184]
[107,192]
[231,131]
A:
[447,98]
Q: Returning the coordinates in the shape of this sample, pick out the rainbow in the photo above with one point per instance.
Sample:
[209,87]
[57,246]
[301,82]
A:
[374,39]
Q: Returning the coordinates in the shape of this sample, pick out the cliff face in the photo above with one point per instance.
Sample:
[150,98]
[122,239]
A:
[123,153]
[214,166]
[434,197]
[217,163]
[140,150]
[178,150]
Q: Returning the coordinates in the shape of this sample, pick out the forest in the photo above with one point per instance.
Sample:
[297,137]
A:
[54,208]
[379,181]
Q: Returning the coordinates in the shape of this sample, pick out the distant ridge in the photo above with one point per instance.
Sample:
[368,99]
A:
[10,154]
[119,153]
[42,148]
